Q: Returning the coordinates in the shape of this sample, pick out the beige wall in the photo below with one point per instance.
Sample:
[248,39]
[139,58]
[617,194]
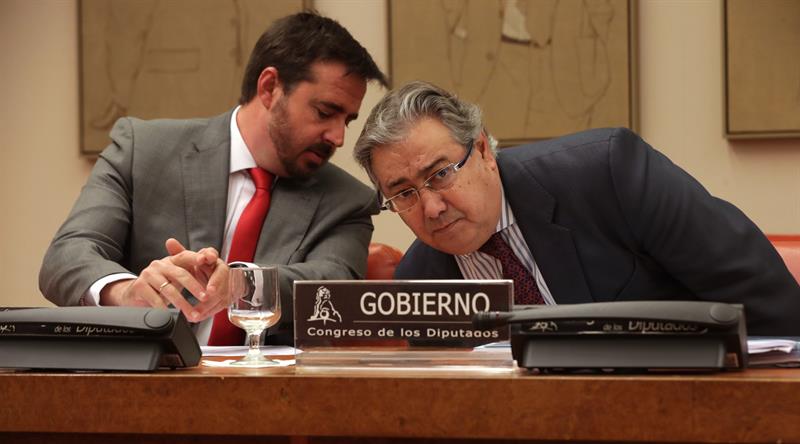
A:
[40,169]
[681,66]
[681,114]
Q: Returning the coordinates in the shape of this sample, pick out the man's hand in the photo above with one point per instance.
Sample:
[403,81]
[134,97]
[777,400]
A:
[207,267]
[202,273]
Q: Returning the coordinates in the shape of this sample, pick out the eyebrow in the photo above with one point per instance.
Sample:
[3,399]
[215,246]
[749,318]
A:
[338,108]
[424,172]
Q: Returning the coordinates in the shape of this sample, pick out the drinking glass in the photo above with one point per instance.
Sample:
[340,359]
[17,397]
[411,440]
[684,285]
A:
[255,306]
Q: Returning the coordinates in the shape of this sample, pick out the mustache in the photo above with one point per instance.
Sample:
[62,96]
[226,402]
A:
[322,149]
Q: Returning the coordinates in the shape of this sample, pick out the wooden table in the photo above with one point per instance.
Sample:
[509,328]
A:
[205,404]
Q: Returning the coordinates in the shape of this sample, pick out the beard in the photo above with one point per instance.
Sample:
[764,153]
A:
[289,150]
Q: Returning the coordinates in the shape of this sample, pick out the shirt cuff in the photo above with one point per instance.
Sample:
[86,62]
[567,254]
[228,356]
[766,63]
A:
[92,295]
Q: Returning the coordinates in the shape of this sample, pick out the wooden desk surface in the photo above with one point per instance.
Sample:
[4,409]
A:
[753,406]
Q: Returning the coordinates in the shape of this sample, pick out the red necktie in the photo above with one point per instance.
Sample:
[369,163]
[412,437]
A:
[243,248]
[525,289]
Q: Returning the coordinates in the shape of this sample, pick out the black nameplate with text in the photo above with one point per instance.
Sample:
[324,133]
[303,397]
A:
[401,313]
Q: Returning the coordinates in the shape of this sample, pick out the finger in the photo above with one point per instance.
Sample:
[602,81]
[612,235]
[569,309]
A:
[210,307]
[173,294]
[205,256]
[207,262]
[163,270]
[186,259]
[207,271]
[201,275]
[141,292]
[183,279]
[217,291]
[168,281]
[193,277]
[174,246]
[208,256]
[204,310]
[218,280]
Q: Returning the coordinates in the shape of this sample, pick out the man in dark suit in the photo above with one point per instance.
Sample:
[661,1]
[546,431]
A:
[590,217]
[160,210]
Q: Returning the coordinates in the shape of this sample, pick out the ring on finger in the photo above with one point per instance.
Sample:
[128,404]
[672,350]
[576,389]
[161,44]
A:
[161,287]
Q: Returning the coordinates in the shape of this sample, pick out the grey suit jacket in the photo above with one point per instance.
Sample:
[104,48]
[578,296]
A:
[608,218]
[169,178]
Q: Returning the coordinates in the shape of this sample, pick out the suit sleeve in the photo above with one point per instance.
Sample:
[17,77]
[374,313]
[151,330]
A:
[706,243]
[90,243]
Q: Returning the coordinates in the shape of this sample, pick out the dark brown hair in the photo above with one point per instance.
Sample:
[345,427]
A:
[293,43]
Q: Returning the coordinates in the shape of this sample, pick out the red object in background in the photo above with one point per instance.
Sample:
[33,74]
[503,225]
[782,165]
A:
[788,246]
[382,261]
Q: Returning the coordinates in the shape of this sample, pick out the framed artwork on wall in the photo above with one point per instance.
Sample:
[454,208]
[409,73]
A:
[762,68]
[164,58]
[537,68]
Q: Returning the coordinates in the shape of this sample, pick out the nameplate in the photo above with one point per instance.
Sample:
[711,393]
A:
[412,313]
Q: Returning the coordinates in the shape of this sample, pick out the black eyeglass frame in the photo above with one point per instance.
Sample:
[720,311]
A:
[456,166]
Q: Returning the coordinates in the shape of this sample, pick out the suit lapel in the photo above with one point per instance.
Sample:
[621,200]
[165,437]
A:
[291,210]
[552,245]
[205,182]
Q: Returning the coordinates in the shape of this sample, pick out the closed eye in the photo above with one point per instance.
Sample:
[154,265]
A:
[322,114]
[444,172]
[405,194]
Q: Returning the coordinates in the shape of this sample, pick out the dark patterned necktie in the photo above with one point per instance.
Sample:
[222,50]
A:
[243,248]
[525,289]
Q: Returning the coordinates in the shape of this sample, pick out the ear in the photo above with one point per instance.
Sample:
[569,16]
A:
[269,88]
[485,151]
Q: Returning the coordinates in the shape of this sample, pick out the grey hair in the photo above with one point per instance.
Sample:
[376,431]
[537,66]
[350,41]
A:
[392,118]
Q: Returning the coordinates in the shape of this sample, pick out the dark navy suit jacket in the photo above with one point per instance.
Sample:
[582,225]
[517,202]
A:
[609,218]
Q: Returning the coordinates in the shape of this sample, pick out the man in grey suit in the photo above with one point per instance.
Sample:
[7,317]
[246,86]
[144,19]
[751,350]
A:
[160,208]
[589,217]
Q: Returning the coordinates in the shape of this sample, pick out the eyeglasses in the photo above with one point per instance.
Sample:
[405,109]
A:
[439,181]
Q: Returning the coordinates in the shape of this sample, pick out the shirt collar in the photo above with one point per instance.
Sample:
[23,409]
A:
[506,215]
[241,159]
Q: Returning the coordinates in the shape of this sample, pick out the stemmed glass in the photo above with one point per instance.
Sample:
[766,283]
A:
[255,306]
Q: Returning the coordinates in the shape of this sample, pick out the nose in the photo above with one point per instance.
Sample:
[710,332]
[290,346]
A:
[432,203]
[334,135]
